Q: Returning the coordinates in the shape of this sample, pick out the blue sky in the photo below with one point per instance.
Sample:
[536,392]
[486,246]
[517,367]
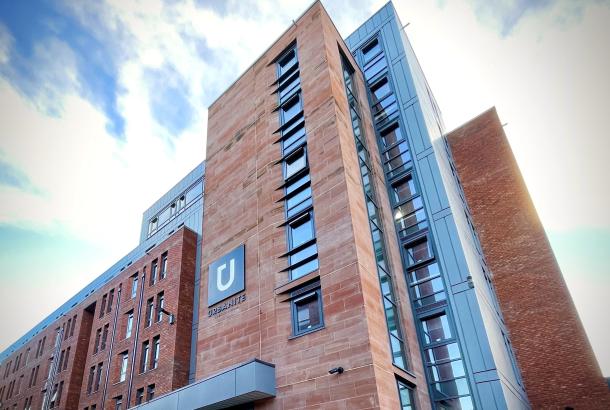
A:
[104,106]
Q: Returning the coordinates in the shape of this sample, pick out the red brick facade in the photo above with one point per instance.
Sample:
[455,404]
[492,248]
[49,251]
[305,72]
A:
[175,339]
[243,205]
[557,363]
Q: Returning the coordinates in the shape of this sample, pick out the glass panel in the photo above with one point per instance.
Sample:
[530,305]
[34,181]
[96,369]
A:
[442,353]
[385,108]
[289,85]
[194,192]
[301,231]
[437,297]
[428,288]
[375,68]
[307,313]
[304,269]
[379,90]
[378,247]
[303,254]
[418,252]
[458,387]
[286,62]
[371,50]
[397,352]
[391,317]
[406,397]
[164,216]
[391,135]
[403,189]
[297,184]
[295,163]
[298,202]
[436,329]
[294,139]
[447,371]
[290,109]
[425,272]
[386,282]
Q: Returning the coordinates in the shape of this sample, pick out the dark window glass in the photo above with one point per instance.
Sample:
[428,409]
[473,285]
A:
[391,135]
[140,395]
[290,108]
[295,162]
[419,251]
[410,217]
[149,312]
[301,231]
[307,312]
[406,397]
[371,50]
[403,190]
[436,329]
[150,392]
[380,89]
[160,306]
[110,300]
[118,403]
[377,66]
[286,62]
[194,192]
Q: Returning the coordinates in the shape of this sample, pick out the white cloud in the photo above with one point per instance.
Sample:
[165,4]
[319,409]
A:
[6,41]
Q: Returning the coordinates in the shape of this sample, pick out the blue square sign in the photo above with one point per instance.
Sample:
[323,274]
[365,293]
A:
[226,276]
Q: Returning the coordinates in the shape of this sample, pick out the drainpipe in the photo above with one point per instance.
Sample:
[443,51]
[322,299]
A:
[114,330]
[136,337]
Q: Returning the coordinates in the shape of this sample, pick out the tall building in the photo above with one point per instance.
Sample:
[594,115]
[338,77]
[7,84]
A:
[545,329]
[333,264]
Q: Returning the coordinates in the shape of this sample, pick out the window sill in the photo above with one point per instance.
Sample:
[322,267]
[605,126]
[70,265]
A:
[286,288]
[404,374]
[307,332]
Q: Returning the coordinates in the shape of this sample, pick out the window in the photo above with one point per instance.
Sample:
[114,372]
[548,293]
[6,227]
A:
[376,66]
[290,108]
[110,300]
[73,326]
[90,381]
[295,162]
[129,325]
[293,136]
[124,361]
[299,199]
[300,231]
[418,251]
[104,337]
[98,337]
[67,332]
[286,62]
[144,357]
[134,285]
[36,375]
[164,265]
[150,392]
[153,272]
[164,216]
[156,351]
[391,135]
[66,358]
[160,306]
[61,360]
[103,305]
[410,217]
[380,90]
[288,86]
[195,192]
[149,312]
[405,393]
[118,403]
[153,226]
[371,50]
[140,395]
[436,329]
[98,377]
[307,313]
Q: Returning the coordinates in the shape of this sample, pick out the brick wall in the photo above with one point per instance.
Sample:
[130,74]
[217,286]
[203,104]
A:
[557,363]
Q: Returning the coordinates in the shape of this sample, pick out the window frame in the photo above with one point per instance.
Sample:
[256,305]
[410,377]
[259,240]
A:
[301,295]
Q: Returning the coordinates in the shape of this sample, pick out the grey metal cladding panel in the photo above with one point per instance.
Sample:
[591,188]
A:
[265,378]
[415,130]
[211,391]
[475,334]
[445,248]
[391,45]
[488,397]
[403,83]
[370,26]
[428,184]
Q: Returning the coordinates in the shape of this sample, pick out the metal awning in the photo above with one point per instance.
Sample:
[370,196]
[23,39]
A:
[244,383]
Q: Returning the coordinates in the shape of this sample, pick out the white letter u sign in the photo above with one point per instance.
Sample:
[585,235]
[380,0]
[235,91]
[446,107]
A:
[224,286]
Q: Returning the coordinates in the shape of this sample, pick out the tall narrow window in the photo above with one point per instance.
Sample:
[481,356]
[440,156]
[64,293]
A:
[160,306]
[144,356]
[66,359]
[98,337]
[154,272]
[103,305]
[104,337]
[118,403]
[150,392]
[98,377]
[134,286]
[73,326]
[110,300]
[149,312]
[156,351]
[124,361]
[129,324]
[164,265]
[91,378]
[307,312]
[140,395]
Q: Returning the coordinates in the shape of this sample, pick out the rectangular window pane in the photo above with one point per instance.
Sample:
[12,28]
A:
[289,85]
[446,371]
[294,138]
[371,50]
[301,231]
[134,286]
[406,397]
[304,269]
[385,108]
[377,66]
[290,108]
[403,189]
[391,135]
[418,251]
[307,312]
[442,353]
[299,201]
[453,388]
[436,329]
[397,352]
[286,62]
[194,192]
[295,163]
[380,89]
